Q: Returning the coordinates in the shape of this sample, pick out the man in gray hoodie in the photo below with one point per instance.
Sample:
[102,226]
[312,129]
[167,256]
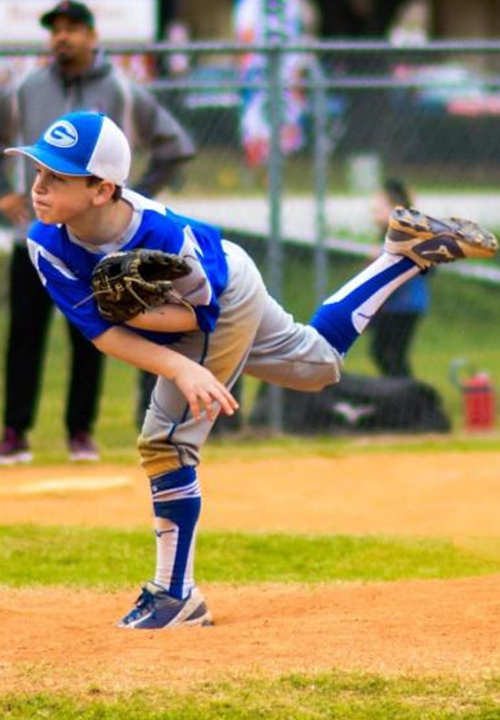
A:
[79,77]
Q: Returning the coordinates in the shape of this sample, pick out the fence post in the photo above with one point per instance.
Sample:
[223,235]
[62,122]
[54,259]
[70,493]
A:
[274,36]
[275,172]
[321,148]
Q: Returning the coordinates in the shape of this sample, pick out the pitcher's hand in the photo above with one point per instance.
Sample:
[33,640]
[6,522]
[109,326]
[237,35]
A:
[201,389]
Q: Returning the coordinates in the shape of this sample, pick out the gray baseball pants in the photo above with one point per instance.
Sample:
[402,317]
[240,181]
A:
[254,336]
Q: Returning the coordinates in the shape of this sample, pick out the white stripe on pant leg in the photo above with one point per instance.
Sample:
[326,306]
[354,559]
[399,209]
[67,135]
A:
[382,263]
[167,538]
[189,574]
[365,312]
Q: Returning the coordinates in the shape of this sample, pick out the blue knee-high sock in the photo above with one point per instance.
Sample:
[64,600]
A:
[177,505]
[344,315]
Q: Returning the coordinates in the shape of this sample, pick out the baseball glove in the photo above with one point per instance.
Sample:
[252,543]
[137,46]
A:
[125,284]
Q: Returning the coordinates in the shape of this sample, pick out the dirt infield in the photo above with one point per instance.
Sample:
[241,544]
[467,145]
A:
[67,639]
[424,627]
[440,494]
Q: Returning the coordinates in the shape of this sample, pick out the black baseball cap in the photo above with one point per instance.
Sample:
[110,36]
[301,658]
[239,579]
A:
[78,12]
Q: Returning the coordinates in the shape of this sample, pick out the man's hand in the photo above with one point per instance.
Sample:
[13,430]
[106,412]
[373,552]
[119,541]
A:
[15,207]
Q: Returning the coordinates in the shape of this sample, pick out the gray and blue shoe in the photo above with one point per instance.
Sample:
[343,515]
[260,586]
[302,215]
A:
[155,609]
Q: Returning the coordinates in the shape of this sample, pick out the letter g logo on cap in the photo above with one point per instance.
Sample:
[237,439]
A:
[61,134]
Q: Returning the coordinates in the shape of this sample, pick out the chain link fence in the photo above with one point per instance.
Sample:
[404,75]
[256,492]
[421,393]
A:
[294,144]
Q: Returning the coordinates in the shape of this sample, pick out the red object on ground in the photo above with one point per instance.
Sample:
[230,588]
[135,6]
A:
[479,402]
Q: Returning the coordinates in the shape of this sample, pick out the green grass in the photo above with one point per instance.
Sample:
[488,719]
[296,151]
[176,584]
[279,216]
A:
[327,696]
[93,557]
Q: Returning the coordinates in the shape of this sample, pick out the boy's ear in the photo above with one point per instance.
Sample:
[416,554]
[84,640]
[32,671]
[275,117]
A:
[105,191]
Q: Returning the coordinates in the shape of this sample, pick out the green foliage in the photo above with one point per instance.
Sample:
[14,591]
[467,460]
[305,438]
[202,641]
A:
[32,555]
[327,696]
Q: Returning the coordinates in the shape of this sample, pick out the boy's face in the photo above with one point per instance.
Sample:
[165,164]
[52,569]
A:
[61,198]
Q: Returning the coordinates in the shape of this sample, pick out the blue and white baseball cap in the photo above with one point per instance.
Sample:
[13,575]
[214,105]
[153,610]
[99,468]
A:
[82,144]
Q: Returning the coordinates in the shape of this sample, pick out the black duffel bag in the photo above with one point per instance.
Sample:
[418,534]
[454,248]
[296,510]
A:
[358,404]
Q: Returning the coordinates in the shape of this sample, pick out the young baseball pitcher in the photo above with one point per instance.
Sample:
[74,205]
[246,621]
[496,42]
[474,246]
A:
[222,322]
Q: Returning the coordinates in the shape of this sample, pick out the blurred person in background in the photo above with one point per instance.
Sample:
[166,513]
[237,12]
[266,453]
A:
[394,327]
[78,77]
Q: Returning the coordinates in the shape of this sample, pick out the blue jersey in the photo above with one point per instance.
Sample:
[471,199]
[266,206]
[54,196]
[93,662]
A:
[65,264]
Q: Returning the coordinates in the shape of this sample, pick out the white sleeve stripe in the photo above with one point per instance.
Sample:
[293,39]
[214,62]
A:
[36,251]
[195,288]
[189,236]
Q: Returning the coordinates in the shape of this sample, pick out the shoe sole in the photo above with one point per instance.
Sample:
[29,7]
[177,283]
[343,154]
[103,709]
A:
[187,616]
[202,621]
[22,457]
[411,233]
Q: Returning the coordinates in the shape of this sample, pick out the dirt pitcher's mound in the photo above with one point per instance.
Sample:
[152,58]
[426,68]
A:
[68,640]
[437,494]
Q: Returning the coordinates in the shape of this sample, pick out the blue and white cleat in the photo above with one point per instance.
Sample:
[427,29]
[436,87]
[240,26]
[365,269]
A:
[431,241]
[155,609]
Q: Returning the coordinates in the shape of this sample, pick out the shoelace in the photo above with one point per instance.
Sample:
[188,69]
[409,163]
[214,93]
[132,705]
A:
[146,601]
[143,602]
